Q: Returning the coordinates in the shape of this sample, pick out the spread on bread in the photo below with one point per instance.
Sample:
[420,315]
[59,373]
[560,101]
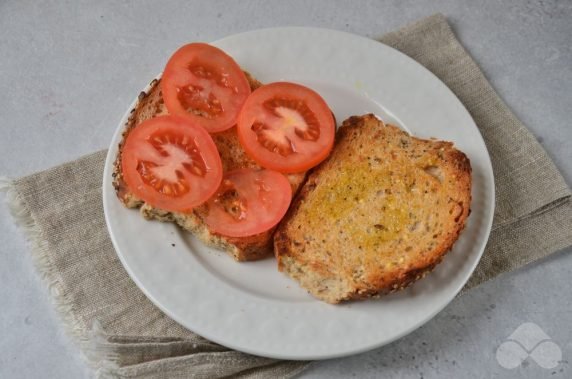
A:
[378,214]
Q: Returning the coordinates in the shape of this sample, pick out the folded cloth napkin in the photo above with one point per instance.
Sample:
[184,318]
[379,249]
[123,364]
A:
[124,335]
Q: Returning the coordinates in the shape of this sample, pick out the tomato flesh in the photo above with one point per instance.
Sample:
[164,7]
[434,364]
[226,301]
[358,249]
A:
[293,118]
[248,202]
[171,163]
[202,83]
[286,127]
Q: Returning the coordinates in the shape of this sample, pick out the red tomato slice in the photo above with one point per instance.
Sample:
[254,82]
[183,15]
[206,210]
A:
[205,85]
[248,202]
[286,127]
[171,163]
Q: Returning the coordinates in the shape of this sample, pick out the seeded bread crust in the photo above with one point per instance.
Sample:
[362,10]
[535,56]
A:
[150,104]
[377,215]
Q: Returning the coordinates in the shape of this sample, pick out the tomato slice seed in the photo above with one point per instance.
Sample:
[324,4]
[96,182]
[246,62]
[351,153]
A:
[169,179]
[290,116]
[196,100]
[230,200]
[203,72]
[297,115]
[145,169]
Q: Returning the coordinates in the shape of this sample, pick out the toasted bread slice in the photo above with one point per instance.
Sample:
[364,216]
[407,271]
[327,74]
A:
[150,104]
[377,215]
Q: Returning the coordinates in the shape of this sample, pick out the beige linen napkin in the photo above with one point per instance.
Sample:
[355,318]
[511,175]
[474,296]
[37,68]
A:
[124,335]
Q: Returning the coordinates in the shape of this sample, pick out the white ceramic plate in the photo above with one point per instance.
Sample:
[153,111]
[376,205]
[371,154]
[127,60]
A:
[251,306]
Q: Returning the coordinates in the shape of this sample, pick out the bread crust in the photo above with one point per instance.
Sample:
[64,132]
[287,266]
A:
[334,265]
[150,104]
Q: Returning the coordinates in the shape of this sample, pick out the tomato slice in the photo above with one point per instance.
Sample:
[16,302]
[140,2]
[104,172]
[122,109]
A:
[205,85]
[248,202]
[171,163]
[286,127]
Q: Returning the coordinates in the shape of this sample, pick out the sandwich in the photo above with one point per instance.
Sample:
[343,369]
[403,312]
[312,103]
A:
[187,157]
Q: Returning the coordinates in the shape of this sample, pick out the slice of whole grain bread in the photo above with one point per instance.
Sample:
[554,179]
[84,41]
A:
[377,215]
[150,104]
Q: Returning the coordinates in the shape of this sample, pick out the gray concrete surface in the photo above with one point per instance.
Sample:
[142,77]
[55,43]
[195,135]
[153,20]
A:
[68,69]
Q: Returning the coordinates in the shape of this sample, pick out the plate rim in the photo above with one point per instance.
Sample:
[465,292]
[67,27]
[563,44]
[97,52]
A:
[109,163]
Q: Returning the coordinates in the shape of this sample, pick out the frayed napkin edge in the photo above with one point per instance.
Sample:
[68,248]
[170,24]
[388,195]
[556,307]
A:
[91,346]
